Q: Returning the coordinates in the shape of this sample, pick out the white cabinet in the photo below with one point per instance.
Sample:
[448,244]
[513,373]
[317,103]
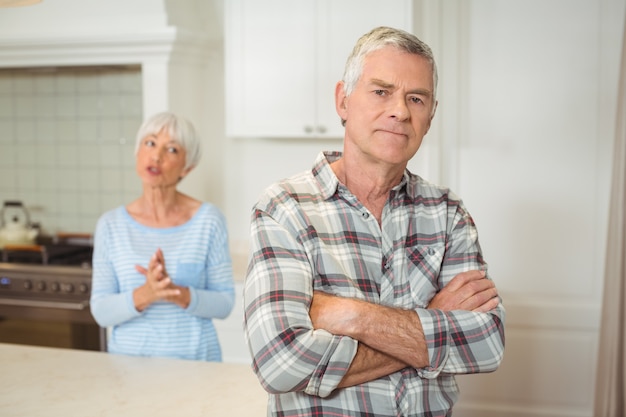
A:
[284,57]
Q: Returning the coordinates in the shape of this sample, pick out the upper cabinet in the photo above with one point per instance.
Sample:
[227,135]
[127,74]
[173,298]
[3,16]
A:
[284,58]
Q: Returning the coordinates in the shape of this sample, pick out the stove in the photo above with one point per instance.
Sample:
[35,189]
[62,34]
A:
[50,283]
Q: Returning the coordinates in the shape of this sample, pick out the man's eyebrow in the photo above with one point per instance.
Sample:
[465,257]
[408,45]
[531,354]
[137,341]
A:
[381,83]
[384,84]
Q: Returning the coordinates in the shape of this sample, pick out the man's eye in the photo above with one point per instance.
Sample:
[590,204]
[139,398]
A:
[416,100]
[379,92]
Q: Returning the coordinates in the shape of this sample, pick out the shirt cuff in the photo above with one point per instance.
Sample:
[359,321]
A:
[436,333]
[333,365]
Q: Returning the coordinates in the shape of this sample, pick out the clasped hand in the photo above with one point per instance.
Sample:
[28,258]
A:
[159,285]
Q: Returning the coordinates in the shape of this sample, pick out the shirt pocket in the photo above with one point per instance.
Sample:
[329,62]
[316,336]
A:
[189,274]
[423,268]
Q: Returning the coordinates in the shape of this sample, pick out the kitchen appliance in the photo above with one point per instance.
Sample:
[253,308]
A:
[44,294]
[15,226]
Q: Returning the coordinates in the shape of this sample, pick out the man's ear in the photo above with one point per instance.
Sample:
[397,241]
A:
[341,101]
[432,116]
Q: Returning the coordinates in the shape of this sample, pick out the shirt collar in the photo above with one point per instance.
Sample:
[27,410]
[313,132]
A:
[328,181]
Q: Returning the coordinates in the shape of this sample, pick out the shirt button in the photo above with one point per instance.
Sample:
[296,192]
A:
[431,251]
[366,215]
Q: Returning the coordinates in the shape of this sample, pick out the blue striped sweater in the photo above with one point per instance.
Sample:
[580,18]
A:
[196,256]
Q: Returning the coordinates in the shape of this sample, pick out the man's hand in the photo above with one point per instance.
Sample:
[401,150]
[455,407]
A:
[469,291]
[392,331]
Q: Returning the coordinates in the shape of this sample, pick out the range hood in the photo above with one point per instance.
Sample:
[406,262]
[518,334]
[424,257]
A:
[176,44]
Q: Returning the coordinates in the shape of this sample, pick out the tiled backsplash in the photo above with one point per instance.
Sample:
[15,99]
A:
[67,138]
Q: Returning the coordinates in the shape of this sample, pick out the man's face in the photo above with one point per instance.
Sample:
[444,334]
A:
[390,108]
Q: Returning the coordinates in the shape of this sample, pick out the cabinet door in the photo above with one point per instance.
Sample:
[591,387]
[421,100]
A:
[270,67]
[284,57]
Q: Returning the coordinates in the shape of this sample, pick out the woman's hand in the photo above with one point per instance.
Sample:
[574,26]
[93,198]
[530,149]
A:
[158,285]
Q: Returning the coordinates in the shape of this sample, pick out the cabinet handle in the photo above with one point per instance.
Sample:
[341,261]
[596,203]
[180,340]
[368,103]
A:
[321,129]
[308,129]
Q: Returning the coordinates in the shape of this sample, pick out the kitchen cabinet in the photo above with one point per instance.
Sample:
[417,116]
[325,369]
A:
[284,57]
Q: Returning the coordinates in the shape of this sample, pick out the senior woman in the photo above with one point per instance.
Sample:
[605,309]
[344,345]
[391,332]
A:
[161,266]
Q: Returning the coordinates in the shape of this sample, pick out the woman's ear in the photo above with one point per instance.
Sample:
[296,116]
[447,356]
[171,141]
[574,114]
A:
[185,172]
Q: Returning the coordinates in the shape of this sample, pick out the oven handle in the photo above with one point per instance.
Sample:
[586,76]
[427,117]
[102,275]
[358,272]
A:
[45,304]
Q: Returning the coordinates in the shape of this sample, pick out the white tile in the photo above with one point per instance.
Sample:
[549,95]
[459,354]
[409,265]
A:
[45,155]
[8,179]
[48,181]
[26,155]
[88,130]
[8,156]
[46,131]
[67,131]
[109,156]
[132,105]
[111,201]
[86,82]
[131,81]
[26,179]
[67,155]
[7,106]
[45,83]
[68,180]
[110,105]
[88,203]
[25,131]
[111,180]
[7,127]
[65,82]
[89,179]
[128,157]
[87,155]
[130,126]
[25,106]
[110,129]
[60,129]
[67,203]
[45,106]
[6,83]
[88,105]
[110,82]
[67,106]
[131,185]
[23,83]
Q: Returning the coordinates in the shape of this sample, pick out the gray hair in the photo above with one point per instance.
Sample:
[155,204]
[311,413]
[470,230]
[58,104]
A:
[378,38]
[180,130]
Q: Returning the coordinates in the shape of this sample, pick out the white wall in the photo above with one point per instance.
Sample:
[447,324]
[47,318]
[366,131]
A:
[526,124]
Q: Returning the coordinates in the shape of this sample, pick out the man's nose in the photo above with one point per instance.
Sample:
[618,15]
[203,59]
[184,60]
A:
[399,109]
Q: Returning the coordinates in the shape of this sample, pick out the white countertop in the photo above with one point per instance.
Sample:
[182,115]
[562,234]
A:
[38,381]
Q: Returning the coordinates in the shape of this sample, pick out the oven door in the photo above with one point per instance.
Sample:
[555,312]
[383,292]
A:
[48,306]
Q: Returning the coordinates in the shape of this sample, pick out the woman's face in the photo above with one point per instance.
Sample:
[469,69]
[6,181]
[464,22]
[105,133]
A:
[160,161]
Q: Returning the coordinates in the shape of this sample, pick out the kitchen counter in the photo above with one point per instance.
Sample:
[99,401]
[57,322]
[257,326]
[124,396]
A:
[41,381]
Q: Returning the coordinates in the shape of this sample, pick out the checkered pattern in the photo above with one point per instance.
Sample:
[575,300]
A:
[310,233]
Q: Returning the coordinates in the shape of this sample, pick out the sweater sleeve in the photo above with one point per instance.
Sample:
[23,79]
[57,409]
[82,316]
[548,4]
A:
[217,298]
[108,305]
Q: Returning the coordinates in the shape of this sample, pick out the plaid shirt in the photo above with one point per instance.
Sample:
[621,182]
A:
[310,233]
